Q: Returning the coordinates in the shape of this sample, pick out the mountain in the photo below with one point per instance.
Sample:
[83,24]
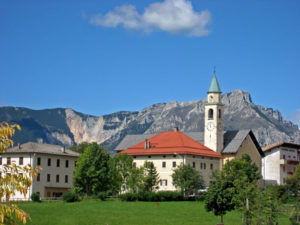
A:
[68,127]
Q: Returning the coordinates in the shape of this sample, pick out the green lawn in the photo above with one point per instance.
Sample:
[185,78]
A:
[92,212]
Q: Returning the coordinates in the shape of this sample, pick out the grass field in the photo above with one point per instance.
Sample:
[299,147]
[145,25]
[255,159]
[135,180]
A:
[92,212]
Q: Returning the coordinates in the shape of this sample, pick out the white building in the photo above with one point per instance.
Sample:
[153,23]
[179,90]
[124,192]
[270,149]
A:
[205,151]
[280,161]
[57,163]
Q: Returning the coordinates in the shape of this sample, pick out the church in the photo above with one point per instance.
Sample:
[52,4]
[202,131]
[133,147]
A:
[205,151]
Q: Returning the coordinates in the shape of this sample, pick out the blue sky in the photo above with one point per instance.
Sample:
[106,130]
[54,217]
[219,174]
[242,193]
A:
[99,57]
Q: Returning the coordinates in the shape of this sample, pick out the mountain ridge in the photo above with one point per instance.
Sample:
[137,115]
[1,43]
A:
[66,126]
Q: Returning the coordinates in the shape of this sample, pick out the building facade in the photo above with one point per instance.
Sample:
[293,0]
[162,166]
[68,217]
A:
[228,144]
[56,162]
[167,150]
[279,162]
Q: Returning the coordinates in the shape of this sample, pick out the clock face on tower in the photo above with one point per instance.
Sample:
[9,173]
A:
[210,126]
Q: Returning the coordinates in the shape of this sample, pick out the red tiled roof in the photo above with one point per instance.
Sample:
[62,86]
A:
[169,143]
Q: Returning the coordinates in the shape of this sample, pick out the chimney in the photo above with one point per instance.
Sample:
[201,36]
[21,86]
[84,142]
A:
[147,144]
[19,146]
[175,129]
[292,141]
[63,149]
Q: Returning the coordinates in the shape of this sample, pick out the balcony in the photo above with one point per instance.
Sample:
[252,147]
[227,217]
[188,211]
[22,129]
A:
[289,161]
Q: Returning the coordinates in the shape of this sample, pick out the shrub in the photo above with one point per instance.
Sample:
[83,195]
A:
[35,197]
[170,196]
[129,197]
[70,196]
[152,196]
[102,195]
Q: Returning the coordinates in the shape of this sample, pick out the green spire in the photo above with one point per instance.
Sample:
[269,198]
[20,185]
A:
[214,85]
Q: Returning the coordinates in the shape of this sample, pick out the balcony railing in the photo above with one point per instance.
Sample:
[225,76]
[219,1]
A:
[289,161]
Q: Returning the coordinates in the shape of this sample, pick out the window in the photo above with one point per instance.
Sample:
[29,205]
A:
[0,160]
[211,166]
[210,114]
[48,178]
[49,162]
[174,156]
[164,164]
[163,182]
[67,163]
[75,163]
[20,160]
[8,161]
[38,161]
[149,156]
[203,166]
[164,156]
[57,178]
[134,157]
[283,168]
[283,180]
[194,165]
[220,114]
[283,156]
[174,164]
[38,178]
[66,179]
[57,163]
[134,165]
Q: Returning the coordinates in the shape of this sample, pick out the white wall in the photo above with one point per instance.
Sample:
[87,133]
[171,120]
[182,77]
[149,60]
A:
[53,170]
[166,173]
[276,164]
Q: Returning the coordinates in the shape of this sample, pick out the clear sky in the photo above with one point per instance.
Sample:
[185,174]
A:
[99,57]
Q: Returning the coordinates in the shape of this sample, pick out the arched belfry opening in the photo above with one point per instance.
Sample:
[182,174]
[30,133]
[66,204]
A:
[210,114]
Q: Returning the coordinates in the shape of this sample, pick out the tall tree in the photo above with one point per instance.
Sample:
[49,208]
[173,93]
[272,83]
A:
[136,180]
[151,177]
[91,172]
[120,170]
[80,148]
[293,184]
[268,206]
[18,180]
[187,179]
[234,187]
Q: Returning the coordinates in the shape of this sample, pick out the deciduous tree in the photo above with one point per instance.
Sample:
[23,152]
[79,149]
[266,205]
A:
[234,187]
[13,179]
[91,172]
[136,180]
[80,148]
[187,179]
[293,184]
[120,170]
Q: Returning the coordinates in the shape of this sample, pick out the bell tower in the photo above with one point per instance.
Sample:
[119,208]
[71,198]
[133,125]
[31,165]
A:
[214,117]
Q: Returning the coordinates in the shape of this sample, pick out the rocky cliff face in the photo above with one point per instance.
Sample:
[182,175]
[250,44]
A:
[68,127]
